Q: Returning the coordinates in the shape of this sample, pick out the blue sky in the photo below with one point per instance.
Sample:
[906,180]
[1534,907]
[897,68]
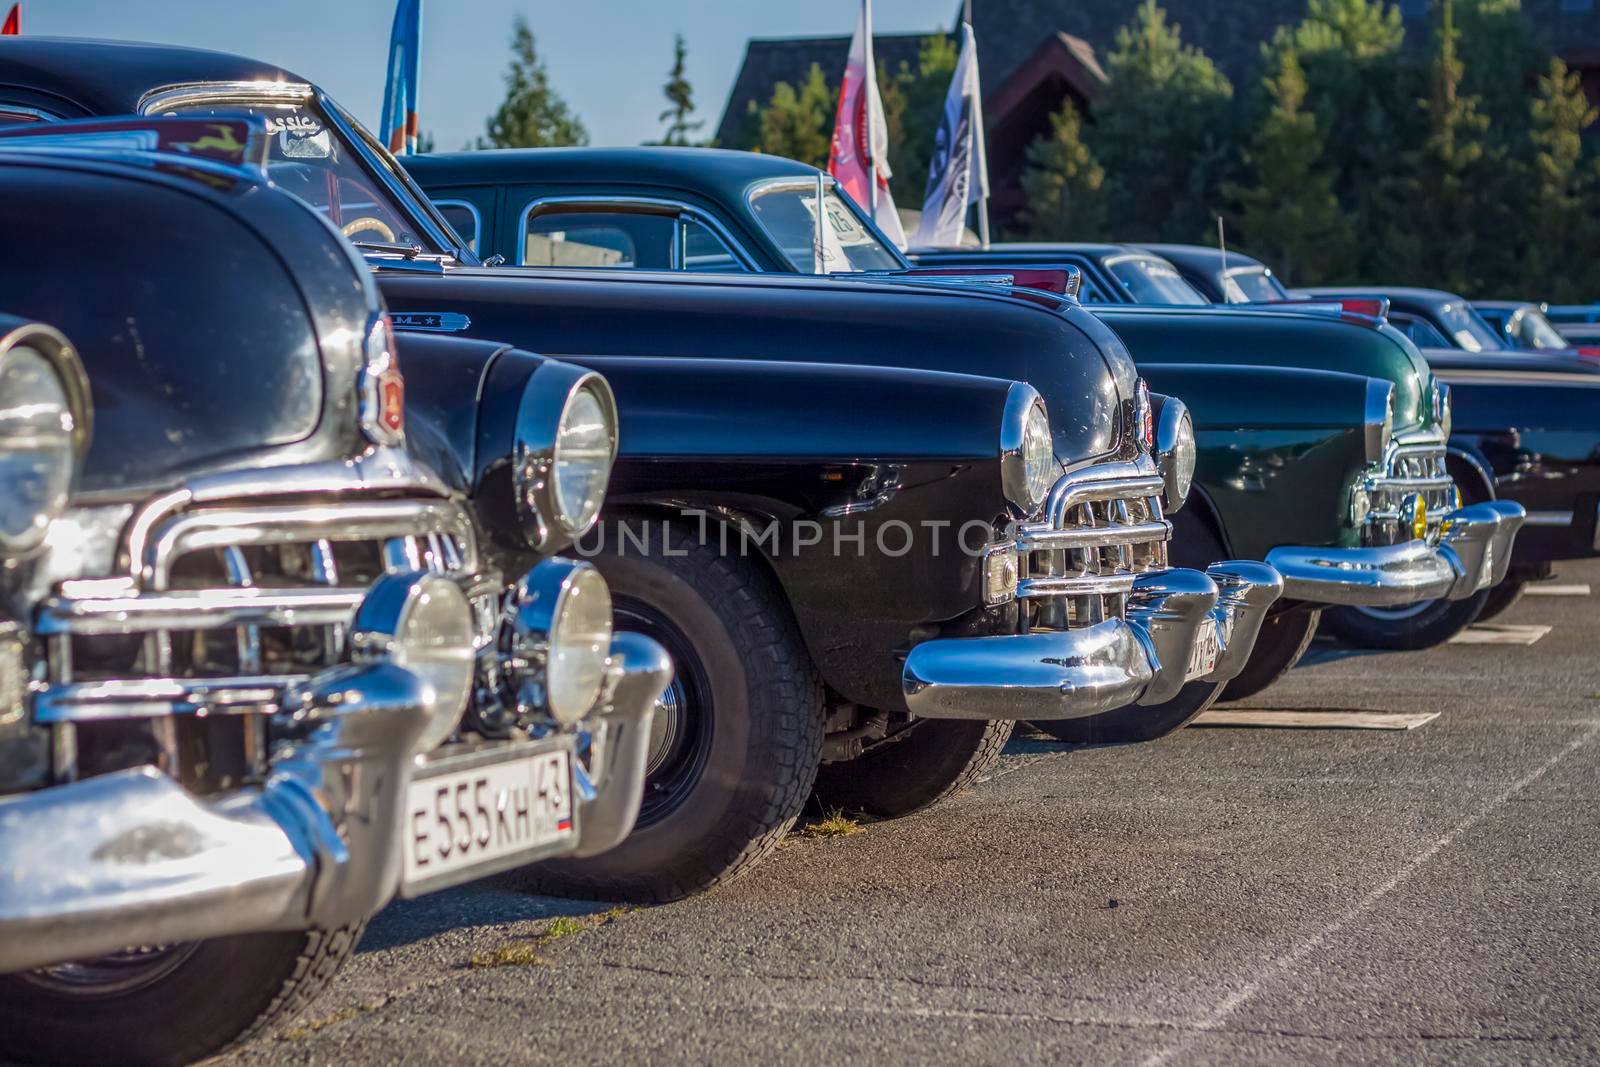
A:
[607,57]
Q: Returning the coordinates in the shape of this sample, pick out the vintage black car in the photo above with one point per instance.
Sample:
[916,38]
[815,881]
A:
[1526,327]
[255,675]
[819,417]
[1112,273]
[1432,318]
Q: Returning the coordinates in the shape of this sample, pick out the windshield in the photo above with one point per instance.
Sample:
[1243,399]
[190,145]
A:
[310,157]
[1467,328]
[1153,281]
[1252,287]
[788,213]
[1533,330]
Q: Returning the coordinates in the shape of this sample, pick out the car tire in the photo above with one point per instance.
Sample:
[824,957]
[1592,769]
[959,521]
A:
[183,1004]
[738,735]
[1136,723]
[1501,599]
[1284,638]
[930,762]
[1407,628]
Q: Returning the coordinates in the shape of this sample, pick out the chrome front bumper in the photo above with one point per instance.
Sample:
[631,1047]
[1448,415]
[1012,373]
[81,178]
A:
[1472,553]
[133,858]
[1067,674]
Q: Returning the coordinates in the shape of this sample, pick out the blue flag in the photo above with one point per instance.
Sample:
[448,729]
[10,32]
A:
[398,125]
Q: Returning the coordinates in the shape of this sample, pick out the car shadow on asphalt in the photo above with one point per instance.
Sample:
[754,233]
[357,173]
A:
[1326,651]
[492,902]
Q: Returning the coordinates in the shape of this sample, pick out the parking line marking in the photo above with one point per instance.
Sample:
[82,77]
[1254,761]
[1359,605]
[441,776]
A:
[1230,1005]
[1491,633]
[1546,589]
[1312,719]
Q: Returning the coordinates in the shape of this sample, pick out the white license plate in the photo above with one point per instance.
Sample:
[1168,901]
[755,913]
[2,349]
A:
[1203,656]
[459,821]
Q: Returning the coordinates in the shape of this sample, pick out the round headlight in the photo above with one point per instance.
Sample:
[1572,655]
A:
[1028,467]
[565,445]
[586,440]
[423,623]
[1175,450]
[36,448]
[557,640]
[1038,455]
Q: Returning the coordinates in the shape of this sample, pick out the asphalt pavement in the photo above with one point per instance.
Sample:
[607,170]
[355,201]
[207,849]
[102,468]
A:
[1226,895]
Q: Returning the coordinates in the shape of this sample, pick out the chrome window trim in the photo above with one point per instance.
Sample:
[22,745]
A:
[664,204]
[1548,518]
[472,209]
[388,175]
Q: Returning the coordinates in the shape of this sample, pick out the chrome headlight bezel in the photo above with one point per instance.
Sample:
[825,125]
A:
[1028,465]
[537,464]
[1443,408]
[423,623]
[1175,451]
[555,641]
[50,352]
[1379,418]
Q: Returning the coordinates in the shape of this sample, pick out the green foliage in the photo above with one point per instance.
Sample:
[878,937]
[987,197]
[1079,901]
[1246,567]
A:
[532,115]
[797,124]
[1163,130]
[680,97]
[1064,184]
[1562,229]
[1288,212]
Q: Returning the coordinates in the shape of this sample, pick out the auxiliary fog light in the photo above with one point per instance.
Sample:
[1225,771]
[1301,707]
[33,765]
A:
[999,574]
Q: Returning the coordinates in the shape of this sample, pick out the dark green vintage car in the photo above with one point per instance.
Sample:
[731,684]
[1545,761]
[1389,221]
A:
[1320,440]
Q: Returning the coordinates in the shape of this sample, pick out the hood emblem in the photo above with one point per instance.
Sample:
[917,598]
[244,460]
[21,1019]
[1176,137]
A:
[430,321]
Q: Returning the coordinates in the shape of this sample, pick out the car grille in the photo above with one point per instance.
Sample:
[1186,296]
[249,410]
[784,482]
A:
[1414,469]
[245,599]
[1103,526]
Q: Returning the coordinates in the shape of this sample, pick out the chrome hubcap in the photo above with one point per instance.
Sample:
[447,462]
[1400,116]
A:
[665,725]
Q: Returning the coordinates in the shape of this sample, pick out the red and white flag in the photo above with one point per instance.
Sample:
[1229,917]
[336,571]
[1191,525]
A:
[859,159]
[12,27]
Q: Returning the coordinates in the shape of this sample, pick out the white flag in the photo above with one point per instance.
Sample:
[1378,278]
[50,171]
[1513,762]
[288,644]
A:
[859,156]
[958,175]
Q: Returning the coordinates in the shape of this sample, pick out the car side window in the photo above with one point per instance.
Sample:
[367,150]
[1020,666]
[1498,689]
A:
[705,252]
[603,239]
[463,218]
[1421,332]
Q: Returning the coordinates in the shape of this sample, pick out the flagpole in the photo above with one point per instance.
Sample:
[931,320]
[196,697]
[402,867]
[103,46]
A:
[870,88]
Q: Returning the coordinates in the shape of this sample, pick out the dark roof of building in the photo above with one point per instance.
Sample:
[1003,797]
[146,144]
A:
[727,174]
[768,61]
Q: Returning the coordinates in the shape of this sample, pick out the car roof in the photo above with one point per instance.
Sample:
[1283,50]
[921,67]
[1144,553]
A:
[1082,248]
[1505,305]
[1203,258]
[717,170]
[110,77]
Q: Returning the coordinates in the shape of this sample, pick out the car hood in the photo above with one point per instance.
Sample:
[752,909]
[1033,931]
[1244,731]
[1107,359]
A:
[1078,366]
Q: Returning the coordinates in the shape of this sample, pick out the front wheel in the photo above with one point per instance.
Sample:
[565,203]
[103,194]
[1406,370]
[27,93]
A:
[931,761]
[736,737]
[1408,627]
[1283,639]
[167,1003]
[1134,723]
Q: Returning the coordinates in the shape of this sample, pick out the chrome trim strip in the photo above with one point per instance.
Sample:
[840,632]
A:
[1141,533]
[1067,585]
[699,215]
[1549,518]
[32,113]
[202,609]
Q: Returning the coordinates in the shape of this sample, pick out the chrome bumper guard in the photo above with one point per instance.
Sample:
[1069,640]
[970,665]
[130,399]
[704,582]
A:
[1471,552]
[133,858]
[1067,674]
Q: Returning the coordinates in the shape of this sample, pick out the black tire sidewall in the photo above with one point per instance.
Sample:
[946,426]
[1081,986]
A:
[935,761]
[1137,723]
[1283,639]
[220,993]
[1434,625]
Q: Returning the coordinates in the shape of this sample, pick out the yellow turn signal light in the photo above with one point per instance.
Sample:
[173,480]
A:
[1419,518]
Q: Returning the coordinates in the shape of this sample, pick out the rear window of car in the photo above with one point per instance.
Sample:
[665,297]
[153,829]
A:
[1148,280]
[1253,287]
